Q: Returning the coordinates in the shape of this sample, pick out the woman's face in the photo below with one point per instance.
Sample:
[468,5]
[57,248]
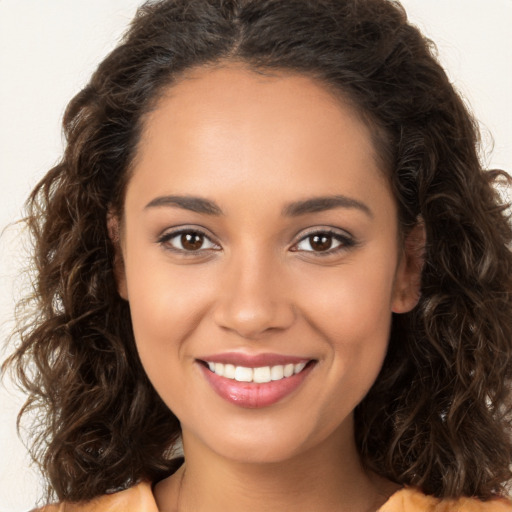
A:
[260,241]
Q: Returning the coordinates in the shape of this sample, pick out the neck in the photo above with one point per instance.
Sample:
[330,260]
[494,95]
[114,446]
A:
[329,477]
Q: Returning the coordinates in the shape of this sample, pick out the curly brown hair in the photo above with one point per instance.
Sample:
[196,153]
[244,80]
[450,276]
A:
[439,414]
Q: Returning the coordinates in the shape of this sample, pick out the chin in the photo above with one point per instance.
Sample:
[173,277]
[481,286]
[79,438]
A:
[268,451]
[267,442]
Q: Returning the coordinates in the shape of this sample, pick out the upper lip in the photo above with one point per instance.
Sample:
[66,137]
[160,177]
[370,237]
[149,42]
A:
[253,360]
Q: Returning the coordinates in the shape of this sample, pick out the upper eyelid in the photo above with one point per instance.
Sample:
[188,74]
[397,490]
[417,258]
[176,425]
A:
[323,229]
[171,232]
[346,241]
[164,241]
[306,232]
[299,237]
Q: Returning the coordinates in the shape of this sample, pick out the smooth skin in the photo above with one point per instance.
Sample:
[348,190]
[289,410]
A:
[250,277]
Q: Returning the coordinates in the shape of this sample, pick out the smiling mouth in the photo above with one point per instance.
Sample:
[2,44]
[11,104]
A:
[259,375]
[255,381]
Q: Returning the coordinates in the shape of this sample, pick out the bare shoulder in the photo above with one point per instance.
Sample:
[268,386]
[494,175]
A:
[413,500]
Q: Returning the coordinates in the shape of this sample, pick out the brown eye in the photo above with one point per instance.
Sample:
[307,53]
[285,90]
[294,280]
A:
[320,242]
[187,241]
[191,241]
[325,243]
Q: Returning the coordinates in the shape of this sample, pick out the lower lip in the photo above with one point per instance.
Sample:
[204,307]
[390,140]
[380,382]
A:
[252,395]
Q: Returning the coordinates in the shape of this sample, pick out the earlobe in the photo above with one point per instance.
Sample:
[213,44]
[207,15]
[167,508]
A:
[114,233]
[407,289]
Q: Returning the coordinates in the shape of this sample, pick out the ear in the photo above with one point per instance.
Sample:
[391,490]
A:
[407,289]
[114,233]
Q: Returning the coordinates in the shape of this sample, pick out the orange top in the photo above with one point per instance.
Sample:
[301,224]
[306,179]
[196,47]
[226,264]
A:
[140,499]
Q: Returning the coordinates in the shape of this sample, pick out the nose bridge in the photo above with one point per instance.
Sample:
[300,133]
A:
[253,298]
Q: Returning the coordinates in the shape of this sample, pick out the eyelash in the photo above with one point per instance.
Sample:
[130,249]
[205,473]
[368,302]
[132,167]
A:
[346,242]
[167,237]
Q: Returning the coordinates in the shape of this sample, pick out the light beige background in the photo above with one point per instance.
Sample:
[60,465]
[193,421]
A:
[48,49]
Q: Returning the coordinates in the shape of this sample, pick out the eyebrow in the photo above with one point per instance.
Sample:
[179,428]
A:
[294,209]
[320,204]
[194,204]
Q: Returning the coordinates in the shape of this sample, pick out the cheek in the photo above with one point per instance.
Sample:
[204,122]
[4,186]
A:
[352,312]
[165,303]
[350,301]
[166,307]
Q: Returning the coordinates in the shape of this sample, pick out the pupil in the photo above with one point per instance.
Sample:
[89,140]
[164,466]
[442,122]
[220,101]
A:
[191,241]
[321,242]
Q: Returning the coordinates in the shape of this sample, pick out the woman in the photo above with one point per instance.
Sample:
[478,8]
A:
[270,237]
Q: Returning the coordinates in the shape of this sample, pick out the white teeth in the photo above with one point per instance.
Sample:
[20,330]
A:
[258,375]
[229,371]
[299,367]
[288,370]
[242,374]
[277,372]
[262,374]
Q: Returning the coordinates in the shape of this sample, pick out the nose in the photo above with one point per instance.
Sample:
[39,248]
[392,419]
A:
[254,298]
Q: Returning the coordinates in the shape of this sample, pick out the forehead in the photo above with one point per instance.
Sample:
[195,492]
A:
[229,125]
[245,98]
